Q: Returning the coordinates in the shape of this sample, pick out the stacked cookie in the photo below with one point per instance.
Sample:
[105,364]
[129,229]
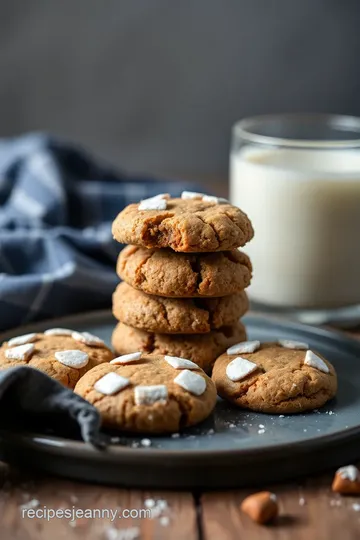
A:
[183,277]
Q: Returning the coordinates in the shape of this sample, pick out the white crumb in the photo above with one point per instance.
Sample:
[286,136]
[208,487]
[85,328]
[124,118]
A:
[164,521]
[145,442]
[33,503]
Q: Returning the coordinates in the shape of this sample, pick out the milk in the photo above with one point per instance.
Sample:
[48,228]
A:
[305,209]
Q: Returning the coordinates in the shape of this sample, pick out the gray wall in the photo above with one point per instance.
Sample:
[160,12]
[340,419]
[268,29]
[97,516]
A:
[155,85]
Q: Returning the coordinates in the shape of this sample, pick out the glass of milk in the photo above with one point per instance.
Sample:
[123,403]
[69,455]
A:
[298,179]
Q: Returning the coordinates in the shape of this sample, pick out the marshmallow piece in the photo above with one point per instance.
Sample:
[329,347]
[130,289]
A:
[314,361]
[180,363]
[20,353]
[216,200]
[289,344]
[350,472]
[88,339]
[192,382]
[58,332]
[21,340]
[192,195]
[244,347]
[126,358]
[147,395]
[158,202]
[239,368]
[72,358]
[111,384]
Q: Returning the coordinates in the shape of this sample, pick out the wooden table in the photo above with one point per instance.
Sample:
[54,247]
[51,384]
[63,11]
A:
[308,511]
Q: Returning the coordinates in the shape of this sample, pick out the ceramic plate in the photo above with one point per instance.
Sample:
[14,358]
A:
[232,448]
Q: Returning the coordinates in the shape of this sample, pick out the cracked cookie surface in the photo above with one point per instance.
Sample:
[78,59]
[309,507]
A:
[185,226]
[176,315]
[181,408]
[203,349]
[165,273]
[282,383]
[43,358]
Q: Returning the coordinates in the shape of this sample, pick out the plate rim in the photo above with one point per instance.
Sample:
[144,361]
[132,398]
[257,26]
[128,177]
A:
[122,451]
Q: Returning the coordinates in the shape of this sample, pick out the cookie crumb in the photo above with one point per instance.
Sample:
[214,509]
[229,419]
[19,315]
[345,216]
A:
[261,507]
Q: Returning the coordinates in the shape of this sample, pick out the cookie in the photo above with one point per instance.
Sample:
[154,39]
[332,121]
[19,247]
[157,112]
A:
[201,349]
[185,225]
[150,395]
[61,353]
[176,315]
[275,379]
[165,273]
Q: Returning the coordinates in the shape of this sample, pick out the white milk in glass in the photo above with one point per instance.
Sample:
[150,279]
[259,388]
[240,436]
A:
[305,208]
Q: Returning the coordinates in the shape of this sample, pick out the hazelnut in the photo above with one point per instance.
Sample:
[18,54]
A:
[261,507]
[347,480]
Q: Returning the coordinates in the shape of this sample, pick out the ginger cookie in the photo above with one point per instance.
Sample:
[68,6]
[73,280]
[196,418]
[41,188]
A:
[149,394]
[61,353]
[274,378]
[184,225]
[202,349]
[169,274]
[176,315]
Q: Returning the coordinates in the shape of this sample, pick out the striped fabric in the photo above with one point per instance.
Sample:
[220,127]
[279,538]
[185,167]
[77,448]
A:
[57,255]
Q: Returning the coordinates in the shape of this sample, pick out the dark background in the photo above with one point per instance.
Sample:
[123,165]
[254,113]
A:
[155,85]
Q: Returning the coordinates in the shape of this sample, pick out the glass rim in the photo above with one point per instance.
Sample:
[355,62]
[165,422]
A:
[333,121]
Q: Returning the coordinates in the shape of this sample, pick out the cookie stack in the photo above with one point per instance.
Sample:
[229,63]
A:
[183,277]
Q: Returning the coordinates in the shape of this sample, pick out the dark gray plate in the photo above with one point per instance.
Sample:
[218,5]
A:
[233,447]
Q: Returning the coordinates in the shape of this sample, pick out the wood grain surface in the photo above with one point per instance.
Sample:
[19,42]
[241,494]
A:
[174,519]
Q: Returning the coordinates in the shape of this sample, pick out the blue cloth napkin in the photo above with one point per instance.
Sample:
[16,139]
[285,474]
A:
[57,254]
[36,403]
